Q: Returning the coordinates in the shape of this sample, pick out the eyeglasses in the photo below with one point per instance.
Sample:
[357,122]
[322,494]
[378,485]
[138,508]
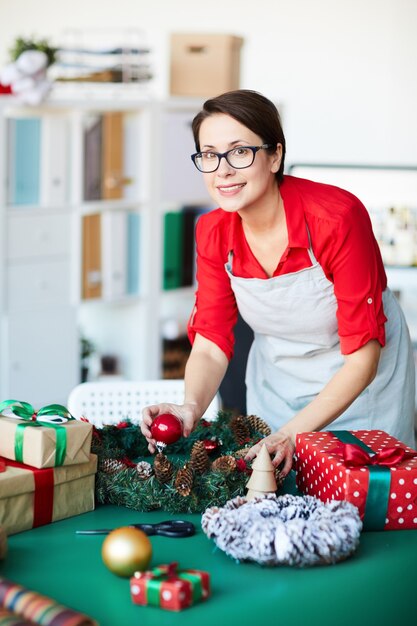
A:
[238,158]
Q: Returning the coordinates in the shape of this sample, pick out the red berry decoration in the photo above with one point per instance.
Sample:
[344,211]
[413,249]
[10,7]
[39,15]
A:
[166,429]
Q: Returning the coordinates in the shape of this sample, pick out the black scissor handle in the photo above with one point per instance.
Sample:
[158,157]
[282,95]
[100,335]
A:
[170,528]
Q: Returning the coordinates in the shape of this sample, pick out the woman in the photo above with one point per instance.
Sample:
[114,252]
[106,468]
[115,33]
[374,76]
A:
[298,259]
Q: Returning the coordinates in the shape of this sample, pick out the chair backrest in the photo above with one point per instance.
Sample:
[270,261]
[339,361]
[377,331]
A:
[111,402]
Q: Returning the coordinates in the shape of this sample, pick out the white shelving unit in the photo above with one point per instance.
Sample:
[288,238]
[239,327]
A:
[41,310]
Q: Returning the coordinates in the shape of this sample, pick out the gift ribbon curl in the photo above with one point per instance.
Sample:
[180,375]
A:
[50,416]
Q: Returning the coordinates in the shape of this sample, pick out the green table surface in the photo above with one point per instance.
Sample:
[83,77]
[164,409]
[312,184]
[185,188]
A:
[377,585]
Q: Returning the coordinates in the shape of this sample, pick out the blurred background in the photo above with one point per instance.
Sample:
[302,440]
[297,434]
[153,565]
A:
[343,77]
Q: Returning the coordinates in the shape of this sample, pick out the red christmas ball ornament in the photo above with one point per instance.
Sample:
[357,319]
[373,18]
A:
[210,445]
[166,429]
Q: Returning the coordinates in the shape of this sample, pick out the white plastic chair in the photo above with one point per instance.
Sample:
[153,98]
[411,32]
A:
[111,402]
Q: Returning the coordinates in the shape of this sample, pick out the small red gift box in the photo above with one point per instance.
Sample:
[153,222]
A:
[169,588]
[369,468]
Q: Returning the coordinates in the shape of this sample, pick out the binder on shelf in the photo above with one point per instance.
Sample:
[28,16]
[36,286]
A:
[113,254]
[55,171]
[191,215]
[91,256]
[173,250]
[93,131]
[133,247]
[24,160]
[112,156]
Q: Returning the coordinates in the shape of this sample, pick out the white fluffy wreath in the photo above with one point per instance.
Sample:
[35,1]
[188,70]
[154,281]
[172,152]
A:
[284,530]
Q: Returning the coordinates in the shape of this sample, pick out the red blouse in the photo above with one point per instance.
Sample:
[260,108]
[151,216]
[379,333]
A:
[342,242]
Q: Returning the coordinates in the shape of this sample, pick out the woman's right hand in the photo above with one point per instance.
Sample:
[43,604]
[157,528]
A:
[187,414]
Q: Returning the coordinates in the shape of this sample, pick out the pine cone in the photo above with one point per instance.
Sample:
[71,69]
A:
[225,464]
[184,481]
[240,429]
[111,466]
[258,424]
[239,454]
[163,468]
[199,459]
[144,469]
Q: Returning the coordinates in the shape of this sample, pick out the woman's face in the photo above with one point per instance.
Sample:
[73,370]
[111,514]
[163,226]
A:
[238,189]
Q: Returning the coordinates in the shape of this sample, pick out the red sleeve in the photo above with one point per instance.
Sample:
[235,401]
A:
[215,311]
[356,269]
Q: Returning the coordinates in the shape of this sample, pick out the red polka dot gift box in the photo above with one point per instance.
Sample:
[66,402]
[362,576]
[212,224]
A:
[170,588]
[369,468]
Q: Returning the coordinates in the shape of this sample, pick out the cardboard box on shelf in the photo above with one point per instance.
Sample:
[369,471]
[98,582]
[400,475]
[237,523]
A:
[204,64]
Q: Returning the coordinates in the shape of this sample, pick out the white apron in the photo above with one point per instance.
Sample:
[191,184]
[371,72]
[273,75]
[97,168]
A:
[296,350]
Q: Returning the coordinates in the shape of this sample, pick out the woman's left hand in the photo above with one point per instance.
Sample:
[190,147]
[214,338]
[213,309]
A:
[279,444]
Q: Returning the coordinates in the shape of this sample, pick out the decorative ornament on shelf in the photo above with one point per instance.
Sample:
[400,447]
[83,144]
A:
[262,480]
[166,429]
[126,550]
[26,76]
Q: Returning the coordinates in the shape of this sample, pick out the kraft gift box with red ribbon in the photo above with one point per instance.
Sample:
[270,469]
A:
[31,497]
[48,437]
[369,468]
[168,587]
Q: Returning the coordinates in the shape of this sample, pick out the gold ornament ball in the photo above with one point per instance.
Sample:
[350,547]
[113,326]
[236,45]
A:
[126,550]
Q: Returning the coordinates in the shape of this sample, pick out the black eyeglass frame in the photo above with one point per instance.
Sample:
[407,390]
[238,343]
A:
[222,155]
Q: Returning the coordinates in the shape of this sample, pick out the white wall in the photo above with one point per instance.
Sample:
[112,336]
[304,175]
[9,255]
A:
[344,70]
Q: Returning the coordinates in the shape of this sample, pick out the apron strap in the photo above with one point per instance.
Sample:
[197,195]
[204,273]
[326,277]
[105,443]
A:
[230,261]
[310,248]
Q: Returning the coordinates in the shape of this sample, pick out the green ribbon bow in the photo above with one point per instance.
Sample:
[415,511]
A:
[158,575]
[51,416]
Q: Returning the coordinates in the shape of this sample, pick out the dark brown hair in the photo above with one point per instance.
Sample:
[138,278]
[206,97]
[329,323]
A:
[251,109]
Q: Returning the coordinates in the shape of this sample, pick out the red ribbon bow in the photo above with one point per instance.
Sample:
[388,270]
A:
[355,456]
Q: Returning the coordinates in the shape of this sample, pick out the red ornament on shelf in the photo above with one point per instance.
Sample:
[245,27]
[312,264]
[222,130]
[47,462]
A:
[166,429]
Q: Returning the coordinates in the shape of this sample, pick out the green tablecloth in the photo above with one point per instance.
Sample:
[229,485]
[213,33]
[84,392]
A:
[378,585]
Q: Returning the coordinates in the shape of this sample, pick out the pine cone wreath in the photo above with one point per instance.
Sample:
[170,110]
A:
[258,424]
[225,464]
[184,481]
[163,468]
[144,470]
[111,466]
[199,459]
[240,429]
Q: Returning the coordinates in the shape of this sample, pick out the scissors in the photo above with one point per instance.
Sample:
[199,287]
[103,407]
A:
[170,528]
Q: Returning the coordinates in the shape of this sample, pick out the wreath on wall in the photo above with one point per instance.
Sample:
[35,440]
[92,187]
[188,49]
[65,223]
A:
[205,469]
